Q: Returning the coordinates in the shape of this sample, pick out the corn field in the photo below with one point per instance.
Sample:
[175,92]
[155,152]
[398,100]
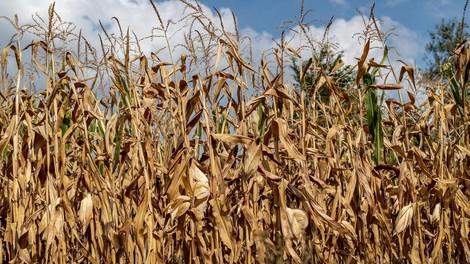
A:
[111,155]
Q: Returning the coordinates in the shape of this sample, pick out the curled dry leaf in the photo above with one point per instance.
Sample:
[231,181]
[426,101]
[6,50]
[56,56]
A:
[340,63]
[404,218]
[292,50]
[362,64]
[436,214]
[298,220]
[410,71]
[252,159]
[386,86]
[85,213]
[179,206]
[7,136]
[196,174]
[200,185]
[234,139]
[350,228]
[224,226]
[286,141]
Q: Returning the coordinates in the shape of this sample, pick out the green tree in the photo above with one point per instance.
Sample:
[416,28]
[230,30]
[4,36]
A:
[444,38]
[329,63]
[444,60]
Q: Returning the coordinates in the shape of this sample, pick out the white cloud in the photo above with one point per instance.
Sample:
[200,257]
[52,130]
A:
[139,16]
[343,34]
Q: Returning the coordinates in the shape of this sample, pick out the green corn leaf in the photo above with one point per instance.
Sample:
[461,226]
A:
[374,118]
[454,86]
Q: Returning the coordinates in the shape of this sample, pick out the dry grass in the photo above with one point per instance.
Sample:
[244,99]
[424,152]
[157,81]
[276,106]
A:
[175,163]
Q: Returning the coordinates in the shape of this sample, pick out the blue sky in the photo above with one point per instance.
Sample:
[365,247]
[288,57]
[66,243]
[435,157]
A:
[417,15]
[258,19]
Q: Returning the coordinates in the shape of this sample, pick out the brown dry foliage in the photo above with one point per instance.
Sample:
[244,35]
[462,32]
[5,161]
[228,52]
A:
[226,165]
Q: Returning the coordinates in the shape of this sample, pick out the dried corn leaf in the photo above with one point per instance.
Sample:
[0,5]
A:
[404,218]
[85,213]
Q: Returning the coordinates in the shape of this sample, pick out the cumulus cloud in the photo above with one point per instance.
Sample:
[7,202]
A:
[343,36]
[139,16]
